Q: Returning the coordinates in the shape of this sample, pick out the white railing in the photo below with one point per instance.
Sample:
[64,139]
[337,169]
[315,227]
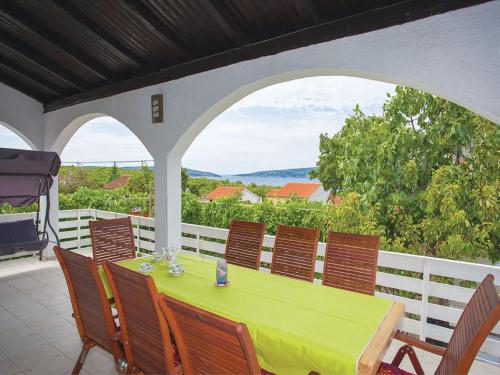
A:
[430,288]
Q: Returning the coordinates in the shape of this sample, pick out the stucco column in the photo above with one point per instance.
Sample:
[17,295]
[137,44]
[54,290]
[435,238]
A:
[48,253]
[168,196]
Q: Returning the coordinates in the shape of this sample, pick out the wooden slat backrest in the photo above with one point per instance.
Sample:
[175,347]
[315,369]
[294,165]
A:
[351,262]
[477,320]
[294,252]
[208,343]
[244,243]
[91,307]
[145,332]
[112,240]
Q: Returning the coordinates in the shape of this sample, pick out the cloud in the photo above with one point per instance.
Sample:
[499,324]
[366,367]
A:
[279,126]
[9,139]
[104,139]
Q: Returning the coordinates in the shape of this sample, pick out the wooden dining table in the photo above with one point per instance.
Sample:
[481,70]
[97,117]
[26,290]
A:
[296,326]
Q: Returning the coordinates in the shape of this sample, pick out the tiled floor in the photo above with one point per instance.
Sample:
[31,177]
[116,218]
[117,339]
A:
[38,334]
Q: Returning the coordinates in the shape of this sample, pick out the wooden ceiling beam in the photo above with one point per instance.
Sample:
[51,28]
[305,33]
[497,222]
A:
[214,12]
[19,86]
[87,23]
[396,14]
[27,24]
[28,75]
[33,57]
[150,18]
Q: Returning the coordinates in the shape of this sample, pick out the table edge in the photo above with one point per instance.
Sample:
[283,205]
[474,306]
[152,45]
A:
[371,358]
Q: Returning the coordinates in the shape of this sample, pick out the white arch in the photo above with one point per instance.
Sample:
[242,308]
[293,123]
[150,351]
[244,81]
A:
[19,134]
[69,131]
[217,108]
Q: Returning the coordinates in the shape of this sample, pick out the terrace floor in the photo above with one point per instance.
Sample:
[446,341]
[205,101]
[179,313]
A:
[39,336]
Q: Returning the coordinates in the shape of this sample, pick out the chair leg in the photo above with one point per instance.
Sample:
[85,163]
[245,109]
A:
[408,350]
[81,358]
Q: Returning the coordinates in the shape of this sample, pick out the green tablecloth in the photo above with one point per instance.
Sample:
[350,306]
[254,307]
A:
[296,326]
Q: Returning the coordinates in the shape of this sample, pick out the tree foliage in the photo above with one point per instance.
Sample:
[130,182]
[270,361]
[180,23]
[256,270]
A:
[430,167]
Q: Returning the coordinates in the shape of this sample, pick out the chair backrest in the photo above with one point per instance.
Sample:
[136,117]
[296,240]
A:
[351,262]
[145,332]
[244,243]
[294,252]
[208,343]
[477,320]
[91,308]
[112,240]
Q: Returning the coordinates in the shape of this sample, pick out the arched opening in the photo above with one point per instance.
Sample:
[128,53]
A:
[105,167]
[441,144]
[278,120]
[9,138]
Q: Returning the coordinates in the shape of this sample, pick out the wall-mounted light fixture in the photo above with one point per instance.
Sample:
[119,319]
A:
[157,108]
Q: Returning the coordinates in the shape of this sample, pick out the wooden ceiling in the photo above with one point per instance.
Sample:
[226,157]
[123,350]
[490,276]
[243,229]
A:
[63,52]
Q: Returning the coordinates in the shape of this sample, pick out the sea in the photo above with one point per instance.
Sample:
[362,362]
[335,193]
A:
[273,181]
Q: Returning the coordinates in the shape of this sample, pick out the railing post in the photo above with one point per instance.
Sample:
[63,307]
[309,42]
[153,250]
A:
[425,301]
[198,240]
[138,233]
[78,228]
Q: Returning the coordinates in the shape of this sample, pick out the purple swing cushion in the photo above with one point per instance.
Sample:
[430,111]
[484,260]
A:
[21,235]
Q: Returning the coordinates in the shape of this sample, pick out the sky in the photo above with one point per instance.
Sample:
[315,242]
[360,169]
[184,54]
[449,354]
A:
[277,127]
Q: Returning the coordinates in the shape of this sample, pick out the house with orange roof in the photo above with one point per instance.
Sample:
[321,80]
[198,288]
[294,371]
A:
[230,191]
[120,182]
[312,191]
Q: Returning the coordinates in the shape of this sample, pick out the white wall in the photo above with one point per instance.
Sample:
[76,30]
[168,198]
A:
[319,195]
[248,196]
[454,55]
[22,115]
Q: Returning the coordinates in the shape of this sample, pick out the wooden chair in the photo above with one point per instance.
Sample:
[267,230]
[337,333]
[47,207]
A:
[479,317]
[294,252]
[112,240]
[146,336]
[244,243]
[91,307]
[207,343]
[351,262]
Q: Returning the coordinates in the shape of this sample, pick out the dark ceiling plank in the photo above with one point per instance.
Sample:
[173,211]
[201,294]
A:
[20,20]
[307,7]
[215,13]
[85,21]
[47,85]
[153,22]
[396,14]
[19,86]
[41,62]
[14,72]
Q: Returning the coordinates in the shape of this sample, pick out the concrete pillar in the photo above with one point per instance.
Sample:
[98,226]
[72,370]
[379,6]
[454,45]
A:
[48,253]
[168,196]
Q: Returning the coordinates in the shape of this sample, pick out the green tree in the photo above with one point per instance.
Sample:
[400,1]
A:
[114,173]
[142,181]
[430,166]
[184,179]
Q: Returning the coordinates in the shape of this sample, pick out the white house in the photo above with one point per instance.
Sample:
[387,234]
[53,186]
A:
[231,191]
[311,191]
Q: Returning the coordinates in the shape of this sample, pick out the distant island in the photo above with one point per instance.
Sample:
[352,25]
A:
[284,173]
[195,173]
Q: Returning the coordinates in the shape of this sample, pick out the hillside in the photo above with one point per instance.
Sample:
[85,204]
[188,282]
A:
[195,173]
[287,173]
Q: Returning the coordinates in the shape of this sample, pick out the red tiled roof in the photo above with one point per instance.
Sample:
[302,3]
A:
[299,189]
[223,192]
[121,181]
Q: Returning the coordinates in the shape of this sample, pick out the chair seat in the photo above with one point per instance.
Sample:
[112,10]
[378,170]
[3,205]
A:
[388,369]
[265,372]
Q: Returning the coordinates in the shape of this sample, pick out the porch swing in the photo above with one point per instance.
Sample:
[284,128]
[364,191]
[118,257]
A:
[25,176]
